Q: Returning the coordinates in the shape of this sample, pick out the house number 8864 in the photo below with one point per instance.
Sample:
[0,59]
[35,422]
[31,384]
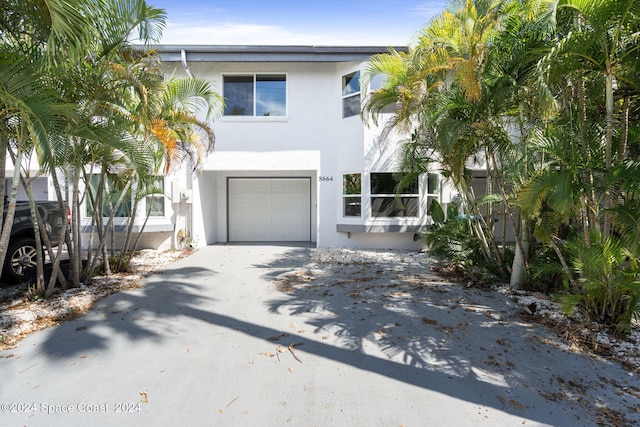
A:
[326,178]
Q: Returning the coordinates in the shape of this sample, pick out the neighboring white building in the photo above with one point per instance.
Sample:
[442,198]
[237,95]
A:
[293,159]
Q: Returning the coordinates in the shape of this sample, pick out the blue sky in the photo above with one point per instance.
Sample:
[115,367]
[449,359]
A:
[346,23]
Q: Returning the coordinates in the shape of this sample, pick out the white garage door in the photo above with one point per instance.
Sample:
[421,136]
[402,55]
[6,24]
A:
[269,209]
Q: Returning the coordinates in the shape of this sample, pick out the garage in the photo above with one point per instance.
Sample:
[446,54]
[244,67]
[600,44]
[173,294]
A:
[269,209]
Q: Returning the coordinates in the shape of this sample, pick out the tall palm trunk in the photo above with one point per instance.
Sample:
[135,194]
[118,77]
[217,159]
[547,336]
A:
[76,260]
[63,201]
[4,144]
[37,236]
[608,201]
[122,260]
[624,136]
[11,210]
[589,211]
[102,243]
[519,267]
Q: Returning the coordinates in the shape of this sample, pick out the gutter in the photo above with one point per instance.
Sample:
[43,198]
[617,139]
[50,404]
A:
[183,57]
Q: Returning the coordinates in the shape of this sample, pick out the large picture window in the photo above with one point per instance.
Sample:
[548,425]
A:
[351,94]
[384,199]
[255,95]
[352,195]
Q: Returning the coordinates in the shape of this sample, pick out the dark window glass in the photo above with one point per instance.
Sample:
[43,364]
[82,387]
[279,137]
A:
[351,84]
[351,106]
[351,94]
[352,187]
[394,207]
[111,194]
[432,183]
[352,184]
[386,183]
[271,95]
[352,206]
[238,95]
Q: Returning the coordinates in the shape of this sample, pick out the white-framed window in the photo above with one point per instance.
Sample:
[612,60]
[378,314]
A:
[433,189]
[351,94]
[255,95]
[386,203]
[155,201]
[352,195]
[112,188]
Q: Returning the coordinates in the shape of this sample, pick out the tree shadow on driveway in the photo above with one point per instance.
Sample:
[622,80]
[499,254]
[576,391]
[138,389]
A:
[385,317]
[396,318]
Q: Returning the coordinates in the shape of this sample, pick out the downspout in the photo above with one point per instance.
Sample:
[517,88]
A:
[185,65]
[188,216]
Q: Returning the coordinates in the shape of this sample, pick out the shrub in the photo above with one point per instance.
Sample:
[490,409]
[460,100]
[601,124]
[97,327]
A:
[608,272]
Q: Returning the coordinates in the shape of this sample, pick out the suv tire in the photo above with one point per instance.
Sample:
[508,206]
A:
[20,262]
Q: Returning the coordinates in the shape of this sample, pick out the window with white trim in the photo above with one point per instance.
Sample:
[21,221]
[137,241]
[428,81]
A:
[155,200]
[111,191]
[433,189]
[351,94]
[352,195]
[255,95]
[386,202]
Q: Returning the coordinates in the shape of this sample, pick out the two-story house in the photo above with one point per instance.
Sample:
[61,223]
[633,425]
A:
[294,160]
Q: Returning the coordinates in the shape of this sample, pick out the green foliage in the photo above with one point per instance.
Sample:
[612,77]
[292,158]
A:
[544,94]
[437,213]
[452,241]
[609,273]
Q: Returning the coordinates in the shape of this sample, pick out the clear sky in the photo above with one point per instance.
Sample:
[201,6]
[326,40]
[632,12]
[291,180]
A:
[302,22]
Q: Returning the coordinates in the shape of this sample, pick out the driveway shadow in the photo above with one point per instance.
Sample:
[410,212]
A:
[400,320]
[393,319]
[163,297]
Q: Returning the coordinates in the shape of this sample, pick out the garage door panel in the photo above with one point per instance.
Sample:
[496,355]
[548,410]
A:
[269,209]
[298,204]
[282,186]
[242,202]
[249,218]
[280,202]
[301,186]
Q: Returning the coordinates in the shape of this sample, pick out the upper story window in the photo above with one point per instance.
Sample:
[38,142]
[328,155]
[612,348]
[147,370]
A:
[255,95]
[351,94]
[384,201]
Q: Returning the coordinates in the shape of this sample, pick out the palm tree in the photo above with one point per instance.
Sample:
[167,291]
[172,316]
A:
[461,90]
[173,133]
[601,39]
[48,39]
[30,109]
[175,124]
[439,80]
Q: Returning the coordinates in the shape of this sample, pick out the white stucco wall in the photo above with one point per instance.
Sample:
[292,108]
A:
[313,140]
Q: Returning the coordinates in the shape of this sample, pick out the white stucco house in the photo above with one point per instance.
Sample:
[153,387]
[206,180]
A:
[294,160]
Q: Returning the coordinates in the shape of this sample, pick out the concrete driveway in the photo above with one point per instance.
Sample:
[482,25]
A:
[258,335]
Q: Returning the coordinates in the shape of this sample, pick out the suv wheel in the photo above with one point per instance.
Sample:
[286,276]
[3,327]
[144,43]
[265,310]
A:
[20,261]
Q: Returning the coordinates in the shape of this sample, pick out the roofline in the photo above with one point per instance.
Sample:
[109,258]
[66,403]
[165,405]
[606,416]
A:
[263,53]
